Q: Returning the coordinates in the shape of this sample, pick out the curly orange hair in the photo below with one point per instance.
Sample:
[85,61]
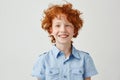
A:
[73,16]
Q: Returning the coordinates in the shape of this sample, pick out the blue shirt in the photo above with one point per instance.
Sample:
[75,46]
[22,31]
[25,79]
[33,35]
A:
[53,65]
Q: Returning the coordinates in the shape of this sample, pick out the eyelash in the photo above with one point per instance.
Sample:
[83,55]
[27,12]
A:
[57,25]
[65,25]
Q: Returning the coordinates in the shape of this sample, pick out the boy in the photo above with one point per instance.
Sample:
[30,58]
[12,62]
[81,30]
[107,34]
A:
[63,61]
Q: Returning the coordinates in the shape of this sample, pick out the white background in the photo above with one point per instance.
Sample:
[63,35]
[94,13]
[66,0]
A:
[22,39]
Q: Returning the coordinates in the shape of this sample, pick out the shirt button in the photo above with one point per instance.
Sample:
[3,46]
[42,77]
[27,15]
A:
[65,76]
[41,73]
[80,71]
[51,72]
[64,63]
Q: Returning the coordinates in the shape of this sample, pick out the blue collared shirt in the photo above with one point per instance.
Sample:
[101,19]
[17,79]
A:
[53,65]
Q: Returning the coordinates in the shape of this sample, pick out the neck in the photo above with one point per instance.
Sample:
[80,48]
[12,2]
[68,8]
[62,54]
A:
[66,48]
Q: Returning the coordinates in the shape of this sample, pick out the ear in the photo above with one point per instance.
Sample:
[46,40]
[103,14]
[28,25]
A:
[75,33]
[50,30]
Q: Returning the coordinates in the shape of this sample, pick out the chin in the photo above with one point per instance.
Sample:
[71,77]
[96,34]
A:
[64,42]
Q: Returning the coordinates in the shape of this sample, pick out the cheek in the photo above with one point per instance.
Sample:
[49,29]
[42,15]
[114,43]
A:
[72,31]
[53,32]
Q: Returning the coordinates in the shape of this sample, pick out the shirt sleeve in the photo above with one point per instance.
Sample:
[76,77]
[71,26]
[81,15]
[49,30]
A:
[89,67]
[39,68]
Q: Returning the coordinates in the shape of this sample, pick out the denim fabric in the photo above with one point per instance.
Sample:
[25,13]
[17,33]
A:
[53,65]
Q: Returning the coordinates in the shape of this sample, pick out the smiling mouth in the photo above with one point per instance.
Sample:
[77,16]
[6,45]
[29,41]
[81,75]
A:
[63,36]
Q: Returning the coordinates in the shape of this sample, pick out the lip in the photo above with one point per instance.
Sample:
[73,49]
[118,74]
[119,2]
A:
[63,35]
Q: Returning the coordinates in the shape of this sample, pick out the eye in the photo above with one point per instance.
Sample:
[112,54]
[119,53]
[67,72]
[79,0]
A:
[57,25]
[67,25]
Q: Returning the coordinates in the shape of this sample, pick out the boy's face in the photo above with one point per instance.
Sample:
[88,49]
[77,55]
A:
[62,29]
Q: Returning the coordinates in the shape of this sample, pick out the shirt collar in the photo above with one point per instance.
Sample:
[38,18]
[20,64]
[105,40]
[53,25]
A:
[75,52]
[56,52]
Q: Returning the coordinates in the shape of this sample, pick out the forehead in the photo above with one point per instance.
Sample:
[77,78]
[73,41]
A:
[61,17]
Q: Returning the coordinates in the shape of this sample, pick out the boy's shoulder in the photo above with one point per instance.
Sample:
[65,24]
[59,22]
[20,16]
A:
[43,54]
[81,51]
[84,54]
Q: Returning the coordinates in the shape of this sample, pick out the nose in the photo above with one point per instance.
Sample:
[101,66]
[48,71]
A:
[62,28]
